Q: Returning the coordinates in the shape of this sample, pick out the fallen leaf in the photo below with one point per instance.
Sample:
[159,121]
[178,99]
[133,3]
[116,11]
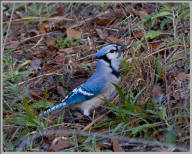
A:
[61,59]
[67,50]
[182,76]
[73,33]
[102,21]
[37,93]
[138,34]
[116,146]
[142,13]
[47,67]
[59,11]
[154,45]
[51,43]
[43,27]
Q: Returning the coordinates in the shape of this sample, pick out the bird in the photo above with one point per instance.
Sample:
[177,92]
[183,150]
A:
[87,96]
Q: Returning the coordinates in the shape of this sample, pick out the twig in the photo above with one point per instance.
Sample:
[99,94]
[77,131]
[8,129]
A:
[27,39]
[130,59]
[38,42]
[37,78]
[10,21]
[95,120]
[25,141]
[58,18]
[162,50]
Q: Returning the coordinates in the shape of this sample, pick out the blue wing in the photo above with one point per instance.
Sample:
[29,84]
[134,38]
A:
[79,94]
[92,87]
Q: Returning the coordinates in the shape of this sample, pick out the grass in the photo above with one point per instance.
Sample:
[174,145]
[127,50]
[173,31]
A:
[135,115]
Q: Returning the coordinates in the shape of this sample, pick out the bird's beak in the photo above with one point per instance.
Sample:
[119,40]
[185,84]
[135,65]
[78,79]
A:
[123,48]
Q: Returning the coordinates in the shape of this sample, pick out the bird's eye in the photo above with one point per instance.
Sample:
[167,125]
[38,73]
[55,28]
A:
[112,51]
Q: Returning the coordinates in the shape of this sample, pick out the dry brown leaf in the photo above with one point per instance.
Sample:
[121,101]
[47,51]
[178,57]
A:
[154,45]
[67,50]
[182,76]
[102,21]
[138,34]
[51,43]
[73,33]
[142,13]
[59,59]
[36,93]
[47,67]
[116,146]
[43,27]
[59,11]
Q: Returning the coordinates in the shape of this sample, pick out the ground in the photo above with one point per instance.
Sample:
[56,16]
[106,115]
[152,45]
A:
[47,52]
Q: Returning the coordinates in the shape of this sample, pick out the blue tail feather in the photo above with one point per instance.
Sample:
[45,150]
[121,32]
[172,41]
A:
[57,107]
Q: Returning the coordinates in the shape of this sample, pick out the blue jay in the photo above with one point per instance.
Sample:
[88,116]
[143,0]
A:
[86,97]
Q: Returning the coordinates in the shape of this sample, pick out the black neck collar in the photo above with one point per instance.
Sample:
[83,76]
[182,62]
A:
[114,72]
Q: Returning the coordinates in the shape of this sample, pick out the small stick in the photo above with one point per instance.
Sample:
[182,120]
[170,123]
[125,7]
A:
[40,18]
[38,77]
[10,21]
[38,42]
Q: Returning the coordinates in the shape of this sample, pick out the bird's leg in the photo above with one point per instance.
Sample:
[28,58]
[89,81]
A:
[86,114]
[89,118]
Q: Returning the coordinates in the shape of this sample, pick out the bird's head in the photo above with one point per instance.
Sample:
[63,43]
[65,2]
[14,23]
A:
[111,54]
[112,51]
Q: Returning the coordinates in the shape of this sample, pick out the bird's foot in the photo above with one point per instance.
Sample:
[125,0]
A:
[90,119]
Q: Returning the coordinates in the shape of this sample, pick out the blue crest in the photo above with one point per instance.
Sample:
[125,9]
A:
[104,51]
